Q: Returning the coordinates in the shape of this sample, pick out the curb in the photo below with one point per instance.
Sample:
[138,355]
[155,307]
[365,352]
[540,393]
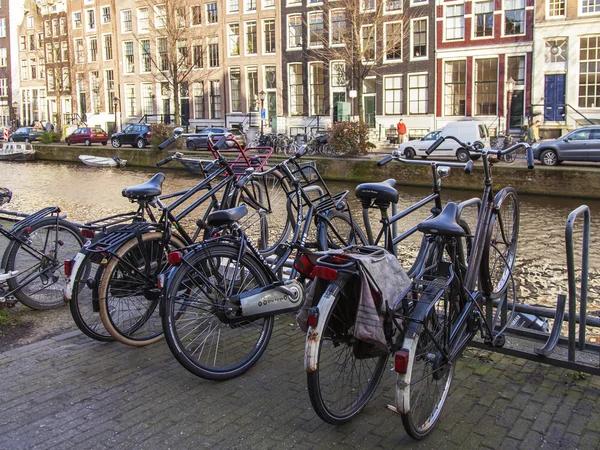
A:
[35,345]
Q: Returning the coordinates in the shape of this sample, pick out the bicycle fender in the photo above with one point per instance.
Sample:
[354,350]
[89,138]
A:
[68,292]
[403,380]
[313,336]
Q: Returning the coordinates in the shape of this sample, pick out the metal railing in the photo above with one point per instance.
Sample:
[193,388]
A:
[567,108]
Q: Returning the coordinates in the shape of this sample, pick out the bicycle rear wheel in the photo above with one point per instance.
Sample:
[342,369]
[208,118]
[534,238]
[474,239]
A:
[339,232]
[41,277]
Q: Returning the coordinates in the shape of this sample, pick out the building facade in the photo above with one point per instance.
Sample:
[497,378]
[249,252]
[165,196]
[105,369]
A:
[7,113]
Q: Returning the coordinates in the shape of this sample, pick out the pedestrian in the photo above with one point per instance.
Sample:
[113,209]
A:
[536,131]
[49,127]
[401,130]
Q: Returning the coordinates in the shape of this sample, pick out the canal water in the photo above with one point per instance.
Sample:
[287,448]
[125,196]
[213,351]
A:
[86,193]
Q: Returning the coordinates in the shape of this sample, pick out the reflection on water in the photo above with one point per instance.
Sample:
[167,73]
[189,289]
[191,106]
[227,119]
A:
[85,193]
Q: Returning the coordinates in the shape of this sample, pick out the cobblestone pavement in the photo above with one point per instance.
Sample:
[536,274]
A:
[70,391]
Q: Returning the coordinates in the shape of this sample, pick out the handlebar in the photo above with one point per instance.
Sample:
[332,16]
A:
[467,167]
[529,154]
[384,161]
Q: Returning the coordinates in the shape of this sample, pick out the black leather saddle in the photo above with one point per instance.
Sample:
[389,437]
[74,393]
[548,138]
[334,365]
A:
[226,216]
[146,191]
[444,224]
[380,192]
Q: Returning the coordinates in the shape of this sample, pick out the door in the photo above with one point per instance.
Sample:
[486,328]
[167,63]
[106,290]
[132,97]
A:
[517,109]
[369,107]
[167,111]
[83,106]
[271,106]
[576,145]
[185,111]
[131,133]
[554,98]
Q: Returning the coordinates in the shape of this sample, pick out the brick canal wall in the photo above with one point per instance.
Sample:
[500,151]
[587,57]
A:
[564,181]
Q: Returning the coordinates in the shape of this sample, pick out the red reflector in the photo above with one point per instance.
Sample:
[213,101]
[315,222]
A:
[325,273]
[303,265]
[174,258]
[313,317]
[401,361]
[69,263]
[89,234]
[28,230]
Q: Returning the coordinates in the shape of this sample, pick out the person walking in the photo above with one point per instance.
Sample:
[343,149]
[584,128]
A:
[401,131]
[536,131]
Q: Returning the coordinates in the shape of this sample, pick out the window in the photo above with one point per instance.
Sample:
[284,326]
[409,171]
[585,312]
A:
[129,62]
[182,54]
[338,74]
[236,90]
[484,18]
[338,26]
[77,20]
[393,40]
[196,15]
[418,93]
[590,6]
[3,29]
[3,57]
[211,12]
[180,17]
[95,86]
[91,19]
[419,38]
[145,55]
[557,50]
[233,6]
[143,21]
[296,89]
[33,68]
[316,30]
[233,41]
[589,72]
[556,8]
[317,89]
[110,89]
[47,28]
[251,37]
[22,43]
[514,17]
[250,5]
[486,86]
[31,39]
[65,50]
[367,33]
[93,49]
[147,99]
[55,27]
[455,73]
[268,4]
[3,87]
[66,80]
[455,22]
[160,16]
[126,24]
[130,100]
[516,69]
[269,35]
[198,56]
[79,51]
[108,53]
[270,78]
[106,14]
[213,55]
[198,93]
[393,94]
[368,5]
[163,58]
[252,76]
[29,22]
[40,40]
[295,31]
[24,70]
[393,6]
[215,99]
[63,26]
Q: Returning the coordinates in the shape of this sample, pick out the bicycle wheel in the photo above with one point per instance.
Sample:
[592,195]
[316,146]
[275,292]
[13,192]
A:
[346,376]
[339,232]
[197,299]
[41,277]
[500,249]
[127,289]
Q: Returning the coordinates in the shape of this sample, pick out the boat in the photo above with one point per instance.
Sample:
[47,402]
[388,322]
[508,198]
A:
[17,151]
[102,161]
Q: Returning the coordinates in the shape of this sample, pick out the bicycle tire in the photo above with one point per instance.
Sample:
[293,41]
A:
[344,380]
[503,233]
[122,283]
[344,232]
[42,289]
[189,319]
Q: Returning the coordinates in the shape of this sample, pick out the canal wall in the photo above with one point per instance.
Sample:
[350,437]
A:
[569,181]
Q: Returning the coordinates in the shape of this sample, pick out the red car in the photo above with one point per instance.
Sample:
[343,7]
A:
[87,136]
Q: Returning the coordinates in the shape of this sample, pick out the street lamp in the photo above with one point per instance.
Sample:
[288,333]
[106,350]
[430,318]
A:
[116,103]
[510,87]
[261,97]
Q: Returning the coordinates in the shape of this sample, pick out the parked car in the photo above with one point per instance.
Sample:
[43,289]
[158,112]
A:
[582,144]
[468,131]
[26,134]
[198,141]
[134,135]
[87,136]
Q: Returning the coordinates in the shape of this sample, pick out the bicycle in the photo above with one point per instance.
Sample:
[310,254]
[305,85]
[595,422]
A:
[430,324]
[32,262]
[221,296]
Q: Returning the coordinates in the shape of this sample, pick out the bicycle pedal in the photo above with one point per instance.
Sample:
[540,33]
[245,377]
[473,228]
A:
[497,341]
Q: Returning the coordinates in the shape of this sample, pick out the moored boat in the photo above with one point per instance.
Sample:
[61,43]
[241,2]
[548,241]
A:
[102,161]
[17,151]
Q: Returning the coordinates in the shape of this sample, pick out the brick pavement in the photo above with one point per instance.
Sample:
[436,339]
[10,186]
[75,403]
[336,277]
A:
[70,391]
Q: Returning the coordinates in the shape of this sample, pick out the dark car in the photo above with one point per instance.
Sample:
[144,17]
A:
[582,144]
[87,136]
[134,135]
[198,141]
[26,134]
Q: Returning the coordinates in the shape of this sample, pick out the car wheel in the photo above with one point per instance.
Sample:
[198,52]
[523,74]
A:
[424,157]
[116,143]
[549,158]
[475,157]
[191,145]
[68,141]
[409,153]
[141,143]
[462,155]
[87,142]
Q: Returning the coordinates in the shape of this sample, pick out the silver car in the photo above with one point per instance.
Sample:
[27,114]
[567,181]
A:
[582,144]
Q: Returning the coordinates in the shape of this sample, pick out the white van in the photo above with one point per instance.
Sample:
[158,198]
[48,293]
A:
[467,131]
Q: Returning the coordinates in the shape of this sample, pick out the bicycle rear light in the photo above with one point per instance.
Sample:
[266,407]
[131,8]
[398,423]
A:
[401,361]
[69,264]
[304,266]
[313,316]
[325,273]
[88,234]
[175,258]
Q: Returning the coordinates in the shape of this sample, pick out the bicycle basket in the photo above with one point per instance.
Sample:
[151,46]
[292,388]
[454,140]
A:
[5,196]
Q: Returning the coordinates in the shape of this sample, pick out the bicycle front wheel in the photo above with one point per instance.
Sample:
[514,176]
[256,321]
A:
[199,330]
[39,261]
[346,375]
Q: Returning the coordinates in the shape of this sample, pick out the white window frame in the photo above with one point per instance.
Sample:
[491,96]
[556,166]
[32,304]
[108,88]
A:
[103,10]
[75,20]
[264,35]
[374,42]
[140,29]
[385,44]
[330,27]
[414,74]
[89,49]
[3,27]
[231,91]
[402,94]
[524,19]
[444,84]
[125,64]
[123,21]
[464,32]
[393,11]
[87,24]
[419,58]
[370,10]
[104,56]
[474,21]
[311,106]
[159,18]
[473,84]
[229,55]
[246,53]
[314,13]
[287,29]
[580,9]
[141,46]
[301,105]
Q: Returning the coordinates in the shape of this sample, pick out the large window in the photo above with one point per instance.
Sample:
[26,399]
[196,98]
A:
[163,56]
[251,38]
[367,34]
[316,30]
[590,6]
[516,69]
[233,41]
[130,100]
[198,93]
[250,5]
[215,99]
[514,17]
[143,23]
[296,89]
[110,89]
[589,72]
[455,22]
[213,55]
[182,54]
[3,57]
[211,12]
[147,99]
[269,35]
[556,8]
[233,6]
[486,87]
[455,73]
[317,89]
[95,87]
[337,18]
[90,15]
[93,48]
[79,51]
[108,53]
[484,18]
[419,38]
[393,94]
[252,76]
[393,6]
[196,15]
[160,16]
[236,89]
[295,31]
[128,53]
[126,24]
[3,28]
[197,55]
[418,94]
[393,41]
[145,55]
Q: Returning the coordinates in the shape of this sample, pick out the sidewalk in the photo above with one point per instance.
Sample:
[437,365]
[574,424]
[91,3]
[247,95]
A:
[70,391]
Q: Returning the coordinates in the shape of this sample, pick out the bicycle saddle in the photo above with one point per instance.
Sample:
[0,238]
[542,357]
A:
[444,224]
[382,192]
[226,216]
[147,190]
